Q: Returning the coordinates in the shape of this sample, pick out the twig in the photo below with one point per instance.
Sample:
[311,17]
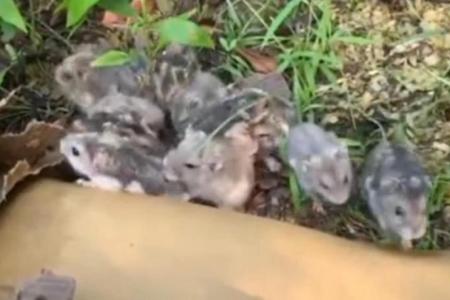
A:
[56,34]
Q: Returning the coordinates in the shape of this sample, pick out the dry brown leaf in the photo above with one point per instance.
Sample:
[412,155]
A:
[27,153]
[111,19]
[29,144]
[260,62]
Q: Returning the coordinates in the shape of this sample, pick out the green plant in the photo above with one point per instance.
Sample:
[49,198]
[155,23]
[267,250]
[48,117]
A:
[308,57]
[10,14]
[172,29]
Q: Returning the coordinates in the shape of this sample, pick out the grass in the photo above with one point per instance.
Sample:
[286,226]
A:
[306,57]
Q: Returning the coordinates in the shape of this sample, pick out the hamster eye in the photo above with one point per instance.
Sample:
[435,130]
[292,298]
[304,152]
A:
[324,185]
[189,166]
[66,76]
[345,179]
[75,151]
[194,104]
[80,73]
[399,211]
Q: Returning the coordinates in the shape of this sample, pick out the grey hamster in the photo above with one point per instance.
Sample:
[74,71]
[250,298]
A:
[48,286]
[174,68]
[84,84]
[128,129]
[209,116]
[321,163]
[130,109]
[112,164]
[195,97]
[222,172]
[395,186]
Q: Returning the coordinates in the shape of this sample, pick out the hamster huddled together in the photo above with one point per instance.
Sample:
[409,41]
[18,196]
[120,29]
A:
[393,182]
[172,128]
[167,128]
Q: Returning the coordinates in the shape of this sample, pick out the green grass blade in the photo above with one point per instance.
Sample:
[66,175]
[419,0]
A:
[280,18]
[111,58]
[77,9]
[9,12]
[121,7]
[233,14]
[295,192]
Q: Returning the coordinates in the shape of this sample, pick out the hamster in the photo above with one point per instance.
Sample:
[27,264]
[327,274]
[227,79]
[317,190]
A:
[48,286]
[253,106]
[110,163]
[209,116]
[174,68]
[205,90]
[84,84]
[130,109]
[321,163]
[130,117]
[222,172]
[128,129]
[395,186]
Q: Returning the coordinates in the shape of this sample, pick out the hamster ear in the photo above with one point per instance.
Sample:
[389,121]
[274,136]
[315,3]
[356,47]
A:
[339,152]
[164,161]
[414,181]
[368,183]
[313,160]
[215,166]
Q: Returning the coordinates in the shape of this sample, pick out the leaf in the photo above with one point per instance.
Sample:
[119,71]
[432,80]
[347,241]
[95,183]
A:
[28,153]
[233,14]
[8,31]
[77,9]
[260,62]
[183,31]
[280,18]
[11,14]
[111,58]
[121,7]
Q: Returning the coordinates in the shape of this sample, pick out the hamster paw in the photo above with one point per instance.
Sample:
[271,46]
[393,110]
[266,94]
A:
[406,245]
[318,208]
[135,187]
[84,182]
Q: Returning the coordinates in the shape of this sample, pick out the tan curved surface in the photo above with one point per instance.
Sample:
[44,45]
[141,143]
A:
[121,246]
